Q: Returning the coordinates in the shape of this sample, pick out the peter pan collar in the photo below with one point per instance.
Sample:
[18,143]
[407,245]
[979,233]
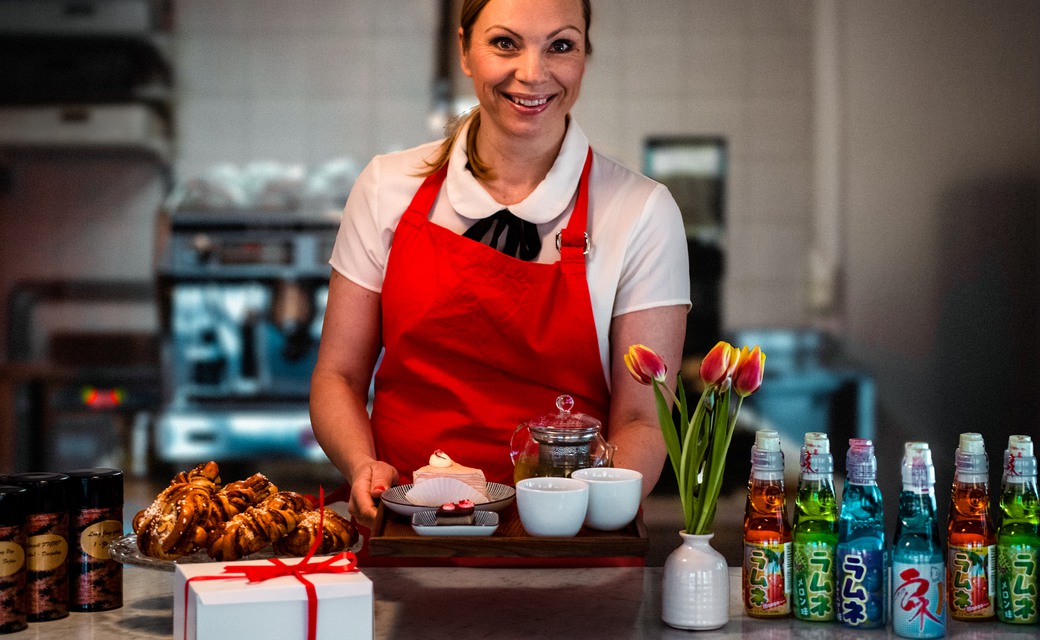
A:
[546,203]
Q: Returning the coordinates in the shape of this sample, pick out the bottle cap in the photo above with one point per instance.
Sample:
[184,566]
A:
[96,488]
[1019,461]
[817,442]
[918,470]
[972,443]
[12,505]
[860,463]
[970,457]
[766,454]
[46,492]
[816,454]
[767,440]
[1020,445]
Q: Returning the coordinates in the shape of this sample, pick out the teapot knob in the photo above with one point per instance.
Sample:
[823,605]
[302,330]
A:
[564,403]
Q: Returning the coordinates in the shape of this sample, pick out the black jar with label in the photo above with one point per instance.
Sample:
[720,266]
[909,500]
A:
[95,521]
[47,543]
[12,558]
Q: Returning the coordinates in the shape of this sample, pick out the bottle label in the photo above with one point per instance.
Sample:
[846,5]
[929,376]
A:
[814,581]
[12,558]
[1018,586]
[95,539]
[861,588]
[47,552]
[972,584]
[767,578]
[918,599]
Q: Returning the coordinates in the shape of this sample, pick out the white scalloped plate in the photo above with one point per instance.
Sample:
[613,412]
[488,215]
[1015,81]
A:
[500,496]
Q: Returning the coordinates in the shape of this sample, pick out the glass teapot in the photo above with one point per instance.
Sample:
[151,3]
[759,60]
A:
[558,443]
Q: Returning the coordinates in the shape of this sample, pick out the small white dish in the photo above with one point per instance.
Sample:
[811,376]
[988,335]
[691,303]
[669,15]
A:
[500,496]
[484,524]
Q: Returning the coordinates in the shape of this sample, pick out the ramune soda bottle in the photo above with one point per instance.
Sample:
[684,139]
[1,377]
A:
[918,567]
[1018,541]
[972,552]
[767,534]
[815,533]
[861,572]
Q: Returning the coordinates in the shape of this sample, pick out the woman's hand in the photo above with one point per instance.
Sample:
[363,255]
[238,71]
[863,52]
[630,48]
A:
[350,344]
[369,483]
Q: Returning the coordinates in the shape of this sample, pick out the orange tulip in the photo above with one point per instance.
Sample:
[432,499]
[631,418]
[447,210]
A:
[645,365]
[719,364]
[748,377]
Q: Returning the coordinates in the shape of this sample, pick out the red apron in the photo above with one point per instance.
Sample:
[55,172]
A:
[477,342]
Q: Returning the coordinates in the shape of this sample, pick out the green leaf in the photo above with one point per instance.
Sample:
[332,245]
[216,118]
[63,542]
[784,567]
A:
[671,438]
[691,460]
[684,421]
[721,438]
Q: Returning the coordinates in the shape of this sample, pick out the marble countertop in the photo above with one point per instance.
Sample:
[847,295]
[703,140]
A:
[462,603]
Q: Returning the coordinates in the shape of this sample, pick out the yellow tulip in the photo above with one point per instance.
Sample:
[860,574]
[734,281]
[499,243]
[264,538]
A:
[645,365]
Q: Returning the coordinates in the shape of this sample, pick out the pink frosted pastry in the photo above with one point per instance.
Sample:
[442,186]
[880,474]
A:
[441,466]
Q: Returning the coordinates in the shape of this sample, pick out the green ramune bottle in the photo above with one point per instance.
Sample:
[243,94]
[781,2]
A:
[1018,540]
[815,534]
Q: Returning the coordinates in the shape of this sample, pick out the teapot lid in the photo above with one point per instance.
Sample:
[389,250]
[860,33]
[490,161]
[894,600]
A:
[564,426]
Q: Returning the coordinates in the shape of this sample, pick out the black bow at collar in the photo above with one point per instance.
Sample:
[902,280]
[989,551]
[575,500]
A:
[520,239]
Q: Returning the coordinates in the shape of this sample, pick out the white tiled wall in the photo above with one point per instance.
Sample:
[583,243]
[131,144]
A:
[310,80]
[303,81]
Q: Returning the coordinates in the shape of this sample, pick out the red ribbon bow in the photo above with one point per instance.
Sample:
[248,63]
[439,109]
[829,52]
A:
[278,569]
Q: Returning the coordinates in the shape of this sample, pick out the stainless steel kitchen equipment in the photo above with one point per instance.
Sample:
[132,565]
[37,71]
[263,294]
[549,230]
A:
[242,296]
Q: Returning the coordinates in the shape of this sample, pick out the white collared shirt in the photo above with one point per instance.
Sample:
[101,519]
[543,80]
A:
[638,258]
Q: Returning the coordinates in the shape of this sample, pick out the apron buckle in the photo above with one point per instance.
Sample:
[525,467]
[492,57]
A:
[559,242]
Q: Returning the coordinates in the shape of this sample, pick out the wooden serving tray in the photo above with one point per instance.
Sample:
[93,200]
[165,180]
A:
[393,536]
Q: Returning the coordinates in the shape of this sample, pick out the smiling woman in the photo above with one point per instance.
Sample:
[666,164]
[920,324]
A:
[496,269]
[559,48]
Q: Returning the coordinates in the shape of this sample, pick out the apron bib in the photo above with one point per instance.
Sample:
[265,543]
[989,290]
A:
[476,342]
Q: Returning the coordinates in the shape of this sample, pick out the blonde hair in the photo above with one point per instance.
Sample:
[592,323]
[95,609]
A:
[470,12]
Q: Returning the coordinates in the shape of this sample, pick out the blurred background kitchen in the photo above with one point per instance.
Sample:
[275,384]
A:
[859,182]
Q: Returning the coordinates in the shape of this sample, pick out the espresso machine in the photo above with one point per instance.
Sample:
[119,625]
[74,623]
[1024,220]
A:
[242,297]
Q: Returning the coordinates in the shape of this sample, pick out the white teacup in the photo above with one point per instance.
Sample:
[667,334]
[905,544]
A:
[614,496]
[552,506]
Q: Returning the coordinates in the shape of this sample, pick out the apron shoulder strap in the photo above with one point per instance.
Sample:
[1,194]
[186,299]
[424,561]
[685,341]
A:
[574,240]
[424,198]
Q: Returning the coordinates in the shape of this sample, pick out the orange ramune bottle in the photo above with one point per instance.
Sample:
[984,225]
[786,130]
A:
[971,537]
[767,532]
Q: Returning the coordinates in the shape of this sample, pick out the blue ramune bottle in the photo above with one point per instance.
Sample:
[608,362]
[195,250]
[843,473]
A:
[1018,537]
[862,569]
[918,565]
[815,535]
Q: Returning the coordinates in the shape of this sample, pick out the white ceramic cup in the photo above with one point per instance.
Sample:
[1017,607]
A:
[614,496]
[552,506]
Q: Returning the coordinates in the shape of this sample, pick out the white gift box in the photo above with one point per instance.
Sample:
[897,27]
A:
[274,608]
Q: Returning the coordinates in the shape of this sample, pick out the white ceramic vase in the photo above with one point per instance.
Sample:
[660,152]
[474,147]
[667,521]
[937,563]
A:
[695,593]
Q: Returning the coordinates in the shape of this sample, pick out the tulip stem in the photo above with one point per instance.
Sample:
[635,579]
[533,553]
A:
[693,450]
